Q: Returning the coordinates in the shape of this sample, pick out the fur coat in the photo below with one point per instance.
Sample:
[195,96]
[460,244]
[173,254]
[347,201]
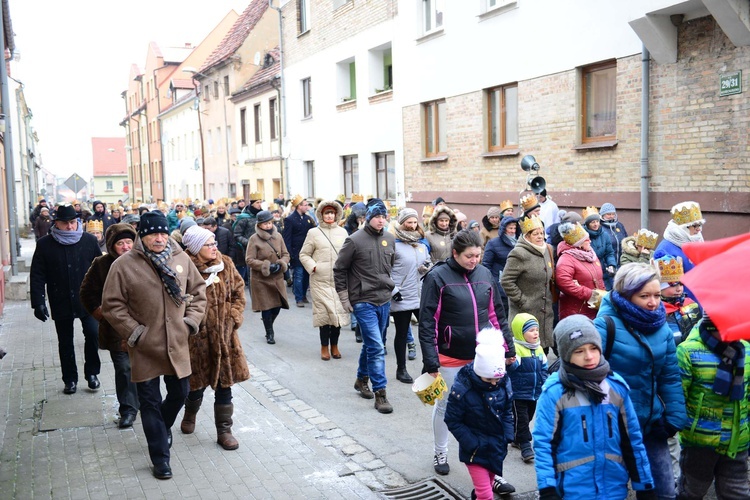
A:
[441,241]
[267,290]
[216,355]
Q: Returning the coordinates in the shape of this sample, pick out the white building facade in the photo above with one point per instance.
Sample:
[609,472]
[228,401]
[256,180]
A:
[182,150]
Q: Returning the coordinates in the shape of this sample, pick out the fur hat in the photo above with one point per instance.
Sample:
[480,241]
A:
[574,331]
[489,356]
[407,213]
[152,223]
[264,216]
[195,237]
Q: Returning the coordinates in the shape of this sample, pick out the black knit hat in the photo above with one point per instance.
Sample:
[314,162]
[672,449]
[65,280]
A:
[153,222]
[264,216]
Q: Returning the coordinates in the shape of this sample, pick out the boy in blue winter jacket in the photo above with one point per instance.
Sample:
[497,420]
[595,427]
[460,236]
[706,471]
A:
[587,437]
[527,374]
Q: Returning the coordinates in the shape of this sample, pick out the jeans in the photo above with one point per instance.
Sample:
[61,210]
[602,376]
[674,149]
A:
[91,364]
[702,466]
[127,392]
[439,429]
[243,270]
[660,460]
[158,416]
[373,320]
[353,317]
[301,283]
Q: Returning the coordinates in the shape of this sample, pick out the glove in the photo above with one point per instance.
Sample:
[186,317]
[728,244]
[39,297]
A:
[398,297]
[41,312]
[275,268]
[344,297]
[646,495]
[611,270]
[549,493]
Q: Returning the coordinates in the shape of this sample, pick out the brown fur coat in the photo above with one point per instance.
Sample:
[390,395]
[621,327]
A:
[216,355]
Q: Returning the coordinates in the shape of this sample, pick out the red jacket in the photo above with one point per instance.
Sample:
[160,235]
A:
[576,280]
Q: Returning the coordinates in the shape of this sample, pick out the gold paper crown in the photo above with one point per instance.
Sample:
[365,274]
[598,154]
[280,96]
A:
[255,196]
[670,269]
[687,213]
[529,201]
[528,224]
[272,207]
[297,200]
[347,213]
[369,197]
[589,211]
[427,211]
[95,225]
[506,205]
[575,235]
[393,212]
[645,238]
[357,198]
[341,198]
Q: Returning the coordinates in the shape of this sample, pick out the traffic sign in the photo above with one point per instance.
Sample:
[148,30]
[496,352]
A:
[75,182]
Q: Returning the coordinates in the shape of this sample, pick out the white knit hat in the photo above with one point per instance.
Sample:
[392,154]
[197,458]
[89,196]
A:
[195,237]
[489,357]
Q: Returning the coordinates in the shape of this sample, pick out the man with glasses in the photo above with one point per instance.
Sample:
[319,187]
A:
[244,228]
[296,226]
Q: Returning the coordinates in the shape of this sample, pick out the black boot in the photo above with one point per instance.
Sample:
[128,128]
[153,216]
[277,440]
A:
[268,323]
[358,334]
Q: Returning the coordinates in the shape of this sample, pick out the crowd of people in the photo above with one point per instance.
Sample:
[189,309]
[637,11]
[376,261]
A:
[636,358]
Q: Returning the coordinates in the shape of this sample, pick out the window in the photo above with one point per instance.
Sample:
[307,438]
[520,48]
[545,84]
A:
[434,128]
[346,76]
[229,138]
[124,184]
[599,96]
[496,4]
[206,93]
[110,186]
[432,15]
[381,69]
[256,122]
[306,98]
[216,89]
[243,126]
[385,170]
[209,143]
[339,3]
[272,116]
[502,117]
[351,175]
[303,15]
[218,140]
[310,176]
[226,85]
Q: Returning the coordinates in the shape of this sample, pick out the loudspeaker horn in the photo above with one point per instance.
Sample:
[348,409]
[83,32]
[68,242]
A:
[538,184]
[529,163]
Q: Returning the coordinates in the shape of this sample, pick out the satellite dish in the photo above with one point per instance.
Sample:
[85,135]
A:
[256,59]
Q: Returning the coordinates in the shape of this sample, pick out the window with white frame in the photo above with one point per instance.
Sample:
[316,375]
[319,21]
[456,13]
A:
[310,177]
[435,138]
[219,137]
[381,69]
[306,98]
[502,117]
[351,174]
[346,79]
[243,126]
[339,3]
[257,122]
[432,16]
[272,112]
[209,143]
[110,186]
[385,175]
[303,16]
[492,5]
[598,102]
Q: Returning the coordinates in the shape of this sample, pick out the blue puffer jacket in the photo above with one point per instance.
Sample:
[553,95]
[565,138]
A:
[648,363]
[479,417]
[602,247]
[589,451]
[497,250]
[616,232]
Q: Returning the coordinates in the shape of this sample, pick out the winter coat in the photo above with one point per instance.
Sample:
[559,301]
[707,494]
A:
[102,216]
[358,210]
[714,421]
[497,249]
[61,268]
[601,245]
[36,213]
[487,232]
[440,241]
[92,289]
[267,290]
[526,280]
[318,256]
[456,304]
[405,274]
[244,228]
[224,242]
[648,364]
[363,267]
[296,227]
[631,254]
[41,226]
[616,232]
[682,315]
[576,280]
[586,450]
[134,295]
[479,416]
[216,354]
[528,372]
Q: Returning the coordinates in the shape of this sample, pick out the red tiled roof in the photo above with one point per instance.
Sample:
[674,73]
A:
[237,35]
[182,83]
[264,75]
[109,156]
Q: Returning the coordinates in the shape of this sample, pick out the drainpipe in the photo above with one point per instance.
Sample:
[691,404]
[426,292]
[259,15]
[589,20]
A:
[283,143]
[10,181]
[645,97]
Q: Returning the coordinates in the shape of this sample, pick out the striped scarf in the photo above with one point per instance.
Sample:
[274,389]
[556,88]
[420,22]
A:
[730,374]
[167,275]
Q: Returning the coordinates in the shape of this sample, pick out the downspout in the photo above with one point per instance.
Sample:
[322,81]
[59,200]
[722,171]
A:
[161,146]
[20,155]
[10,182]
[645,97]
[285,157]
[281,143]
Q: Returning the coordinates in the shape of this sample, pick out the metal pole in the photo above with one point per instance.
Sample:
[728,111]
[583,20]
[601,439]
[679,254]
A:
[284,143]
[645,96]
[8,150]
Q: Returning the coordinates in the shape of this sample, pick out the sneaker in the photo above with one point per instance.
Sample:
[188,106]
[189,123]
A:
[440,463]
[412,350]
[515,445]
[527,452]
[381,402]
[300,304]
[502,487]
[361,385]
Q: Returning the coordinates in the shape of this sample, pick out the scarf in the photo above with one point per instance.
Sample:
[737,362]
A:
[581,254]
[730,374]
[641,319]
[410,237]
[679,236]
[542,249]
[67,237]
[574,378]
[212,271]
[167,275]
[528,345]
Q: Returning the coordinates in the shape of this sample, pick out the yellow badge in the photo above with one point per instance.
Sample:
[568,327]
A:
[216,279]
[384,243]
[442,243]
[617,229]
[549,264]
[179,268]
